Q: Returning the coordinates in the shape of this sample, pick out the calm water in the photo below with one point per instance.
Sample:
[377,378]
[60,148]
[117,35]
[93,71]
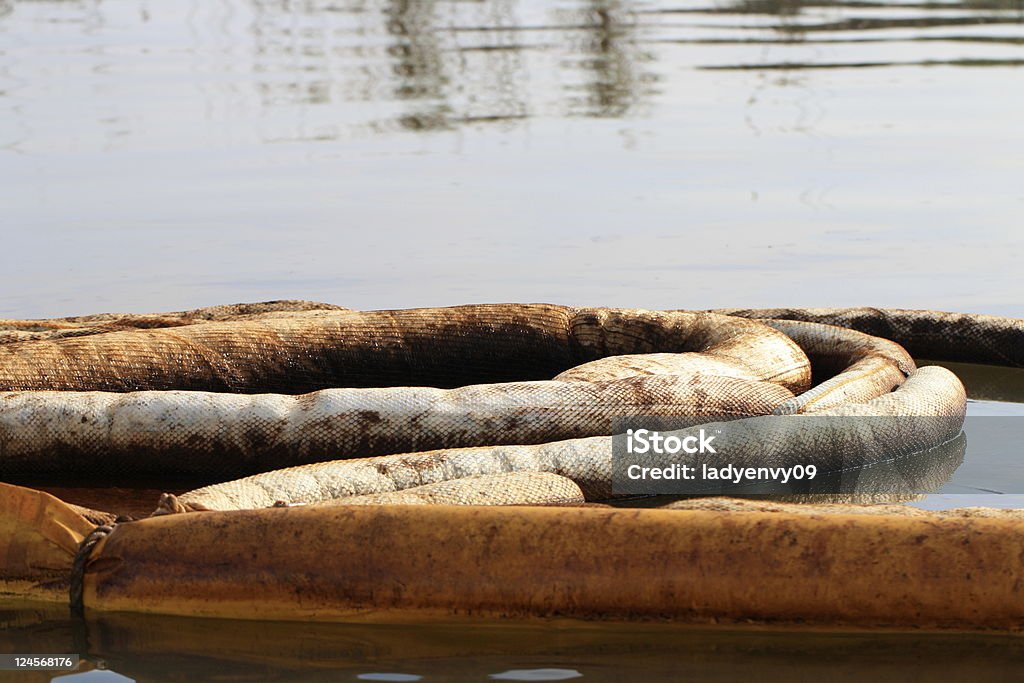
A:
[389,153]
[175,649]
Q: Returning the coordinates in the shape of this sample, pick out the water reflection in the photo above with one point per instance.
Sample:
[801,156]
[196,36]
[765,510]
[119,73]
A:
[418,66]
[160,648]
[398,138]
[341,66]
[611,59]
[439,64]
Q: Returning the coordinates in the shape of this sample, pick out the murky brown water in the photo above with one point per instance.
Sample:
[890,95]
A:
[176,649]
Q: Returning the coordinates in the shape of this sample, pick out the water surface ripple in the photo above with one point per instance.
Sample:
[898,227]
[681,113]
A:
[395,153]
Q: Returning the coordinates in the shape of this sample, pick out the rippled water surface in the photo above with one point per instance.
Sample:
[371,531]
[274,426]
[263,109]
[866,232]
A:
[387,153]
[397,153]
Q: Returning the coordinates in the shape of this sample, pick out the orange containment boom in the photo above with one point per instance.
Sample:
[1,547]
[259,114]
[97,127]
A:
[380,563]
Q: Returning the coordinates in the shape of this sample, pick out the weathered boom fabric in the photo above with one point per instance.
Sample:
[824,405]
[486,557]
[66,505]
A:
[609,363]
[217,391]
[136,418]
[729,561]
[370,426]
[308,351]
[930,392]
[935,335]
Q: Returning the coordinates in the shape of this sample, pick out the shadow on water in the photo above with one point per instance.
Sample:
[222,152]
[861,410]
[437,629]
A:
[147,648]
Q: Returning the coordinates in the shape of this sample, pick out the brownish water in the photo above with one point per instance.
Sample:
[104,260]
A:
[175,649]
